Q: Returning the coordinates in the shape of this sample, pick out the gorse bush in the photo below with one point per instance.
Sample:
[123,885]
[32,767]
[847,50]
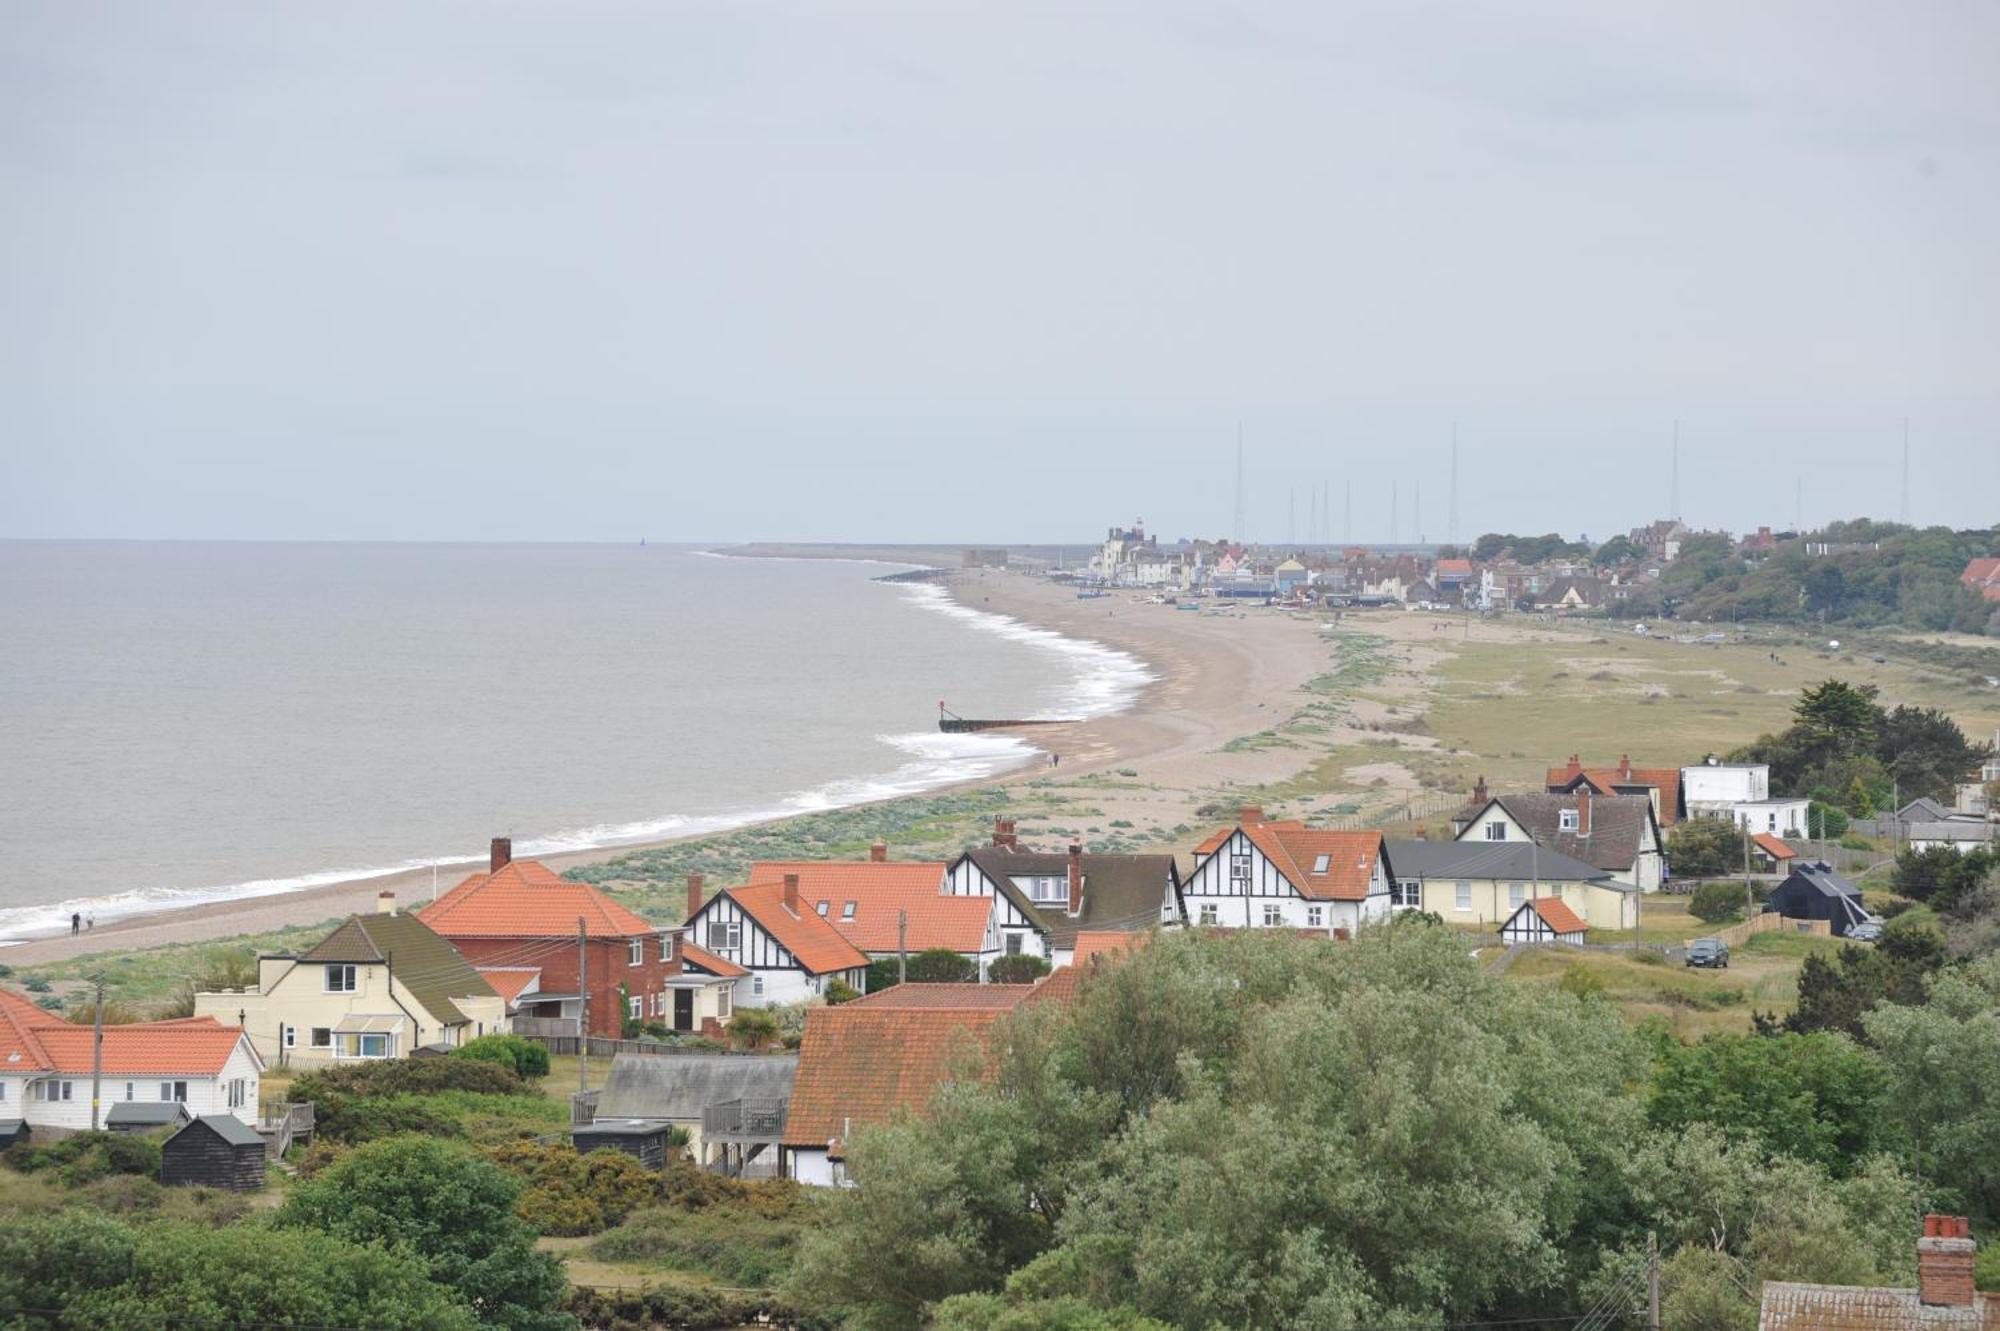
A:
[568,1193]
[730,1247]
[84,1156]
[1717,903]
[358,1102]
[527,1059]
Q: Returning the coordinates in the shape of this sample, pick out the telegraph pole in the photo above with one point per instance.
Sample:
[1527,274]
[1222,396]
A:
[1749,896]
[97,1054]
[902,946]
[583,1017]
[1652,1281]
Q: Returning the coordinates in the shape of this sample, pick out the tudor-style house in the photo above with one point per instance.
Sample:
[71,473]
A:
[1616,833]
[378,986]
[883,906]
[1285,875]
[1042,901]
[788,951]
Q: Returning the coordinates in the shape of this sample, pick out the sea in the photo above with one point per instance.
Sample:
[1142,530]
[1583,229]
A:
[184,723]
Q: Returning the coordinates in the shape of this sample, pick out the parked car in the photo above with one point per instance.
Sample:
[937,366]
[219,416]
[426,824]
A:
[1868,931]
[1709,954]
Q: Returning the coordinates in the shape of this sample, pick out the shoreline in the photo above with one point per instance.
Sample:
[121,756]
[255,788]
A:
[1133,733]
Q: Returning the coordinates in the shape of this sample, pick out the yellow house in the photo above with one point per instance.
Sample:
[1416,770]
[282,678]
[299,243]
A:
[378,986]
[1481,882]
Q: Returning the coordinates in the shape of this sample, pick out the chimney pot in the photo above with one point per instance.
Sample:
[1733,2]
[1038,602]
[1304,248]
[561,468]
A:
[694,895]
[385,902]
[1945,1258]
[792,893]
[879,852]
[502,854]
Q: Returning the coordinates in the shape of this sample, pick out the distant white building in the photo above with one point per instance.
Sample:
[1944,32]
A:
[1741,792]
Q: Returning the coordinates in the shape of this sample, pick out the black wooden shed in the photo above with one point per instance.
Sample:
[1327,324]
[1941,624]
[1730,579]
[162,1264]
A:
[1815,892]
[12,1130]
[217,1150]
[645,1139]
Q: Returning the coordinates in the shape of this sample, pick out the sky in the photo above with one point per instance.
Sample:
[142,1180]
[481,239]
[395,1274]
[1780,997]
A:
[946,272]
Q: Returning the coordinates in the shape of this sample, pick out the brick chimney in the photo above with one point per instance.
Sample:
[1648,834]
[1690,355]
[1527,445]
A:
[792,893]
[1479,795]
[1075,878]
[385,902]
[1944,1262]
[1251,814]
[1003,834]
[694,895]
[502,854]
[1625,765]
[1575,768]
[879,852]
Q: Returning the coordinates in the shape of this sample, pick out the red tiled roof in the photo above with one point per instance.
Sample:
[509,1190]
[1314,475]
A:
[527,900]
[1295,849]
[510,981]
[879,889]
[1094,943]
[1557,915]
[1214,841]
[1623,779]
[1454,566]
[816,944]
[1773,846]
[1983,576]
[708,961]
[860,1066]
[938,997]
[186,1047]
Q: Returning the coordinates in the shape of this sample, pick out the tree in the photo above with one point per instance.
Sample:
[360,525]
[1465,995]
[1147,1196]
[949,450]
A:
[882,974]
[451,1211]
[1820,1098]
[1617,550]
[1941,876]
[1943,1059]
[1705,848]
[941,965]
[1717,902]
[752,1028]
[1017,969]
[1836,995]
[1833,719]
[1925,751]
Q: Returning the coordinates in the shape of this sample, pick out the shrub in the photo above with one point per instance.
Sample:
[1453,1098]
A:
[752,1028]
[1704,847]
[570,1193]
[360,1102]
[684,1304]
[733,1249]
[83,1156]
[1021,969]
[1717,902]
[940,965]
[1580,982]
[35,984]
[881,975]
[527,1059]
[839,991]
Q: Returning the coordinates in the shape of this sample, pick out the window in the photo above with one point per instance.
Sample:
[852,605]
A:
[129,1088]
[846,910]
[1320,862]
[291,1036]
[1407,892]
[821,908]
[724,935]
[1049,888]
[322,1037]
[635,1008]
[1239,869]
[1013,945]
[1208,912]
[635,952]
[53,1092]
[374,1046]
[666,947]
[1273,916]
[176,1091]
[1566,820]
[756,985]
[1315,917]
[1516,893]
[1464,901]
[1496,831]
[722,1002]
[3,1091]
[340,978]
[236,1093]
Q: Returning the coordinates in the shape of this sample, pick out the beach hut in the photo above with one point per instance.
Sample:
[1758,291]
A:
[215,1150]
[12,1130]
[140,1116]
[1543,920]
[1815,892]
[644,1139]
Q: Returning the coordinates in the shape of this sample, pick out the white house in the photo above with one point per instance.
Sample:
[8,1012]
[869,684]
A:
[46,1068]
[1716,787]
[1961,834]
[1617,833]
[1043,901]
[1285,875]
[1543,920]
[883,906]
[788,950]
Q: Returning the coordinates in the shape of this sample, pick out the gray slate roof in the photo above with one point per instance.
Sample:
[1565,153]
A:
[146,1113]
[1120,892]
[1821,878]
[1616,829]
[425,962]
[226,1126]
[1955,830]
[680,1086]
[1516,861]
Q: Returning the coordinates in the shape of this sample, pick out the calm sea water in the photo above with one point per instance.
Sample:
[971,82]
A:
[190,722]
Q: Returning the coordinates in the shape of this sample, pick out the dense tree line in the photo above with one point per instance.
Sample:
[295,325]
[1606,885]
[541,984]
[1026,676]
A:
[1846,750]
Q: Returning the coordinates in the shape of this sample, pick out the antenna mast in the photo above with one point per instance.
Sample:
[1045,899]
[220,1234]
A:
[1395,510]
[1675,508]
[1451,517]
[1239,483]
[1906,471]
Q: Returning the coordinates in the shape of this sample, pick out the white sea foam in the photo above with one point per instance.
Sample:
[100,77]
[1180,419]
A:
[1104,680]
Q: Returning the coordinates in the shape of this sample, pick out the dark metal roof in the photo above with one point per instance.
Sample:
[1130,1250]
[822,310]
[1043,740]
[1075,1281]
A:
[1521,861]
[621,1127]
[148,1113]
[226,1126]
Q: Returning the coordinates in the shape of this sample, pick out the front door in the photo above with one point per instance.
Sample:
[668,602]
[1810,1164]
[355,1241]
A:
[683,1009]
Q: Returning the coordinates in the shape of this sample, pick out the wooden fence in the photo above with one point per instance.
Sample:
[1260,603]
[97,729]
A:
[1771,922]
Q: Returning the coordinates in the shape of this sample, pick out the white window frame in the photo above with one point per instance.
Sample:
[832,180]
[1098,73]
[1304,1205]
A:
[1012,946]
[1315,917]
[635,1007]
[174,1092]
[54,1092]
[339,971]
[1274,915]
[1240,868]
[1207,915]
[291,1036]
[731,932]
[847,909]
[1568,820]
[666,947]
[1463,896]
[756,984]
[1517,894]
[821,908]
[635,952]
[1496,830]
[236,1092]
[725,1002]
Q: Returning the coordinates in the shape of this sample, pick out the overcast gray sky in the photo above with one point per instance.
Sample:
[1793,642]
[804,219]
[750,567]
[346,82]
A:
[1004,272]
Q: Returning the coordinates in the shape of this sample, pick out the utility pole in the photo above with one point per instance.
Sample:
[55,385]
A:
[902,946]
[1749,896]
[1652,1281]
[97,1054]
[1291,517]
[583,1012]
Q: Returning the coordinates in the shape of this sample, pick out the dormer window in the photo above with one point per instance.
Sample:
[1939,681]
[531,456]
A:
[1567,820]
[821,908]
[1320,863]
[1496,831]
[847,910]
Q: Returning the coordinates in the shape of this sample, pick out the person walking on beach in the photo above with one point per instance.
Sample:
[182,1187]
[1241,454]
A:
[75,922]
[90,922]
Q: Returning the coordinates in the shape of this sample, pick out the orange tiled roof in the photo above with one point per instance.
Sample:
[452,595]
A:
[1621,780]
[510,981]
[527,900]
[1773,846]
[860,1066]
[186,1047]
[1213,842]
[879,889]
[937,997]
[816,944]
[1094,943]
[708,961]
[1557,915]
[1295,849]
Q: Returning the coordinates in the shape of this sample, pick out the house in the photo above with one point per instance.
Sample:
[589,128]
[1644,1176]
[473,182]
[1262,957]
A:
[685,1090]
[1616,833]
[1771,853]
[1043,901]
[862,1064]
[1982,576]
[46,1066]
[1660,784]
[1543,920]
[788,949]
[1487,882]
[214,1151]
[1945,1297]
[1451,575]
[1741,792]
[702,998]
[1813,891]
[1571,594]
[1289,577]
[519,913]
[378,986]
[1285,875]
[883,906]
[1961,834]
